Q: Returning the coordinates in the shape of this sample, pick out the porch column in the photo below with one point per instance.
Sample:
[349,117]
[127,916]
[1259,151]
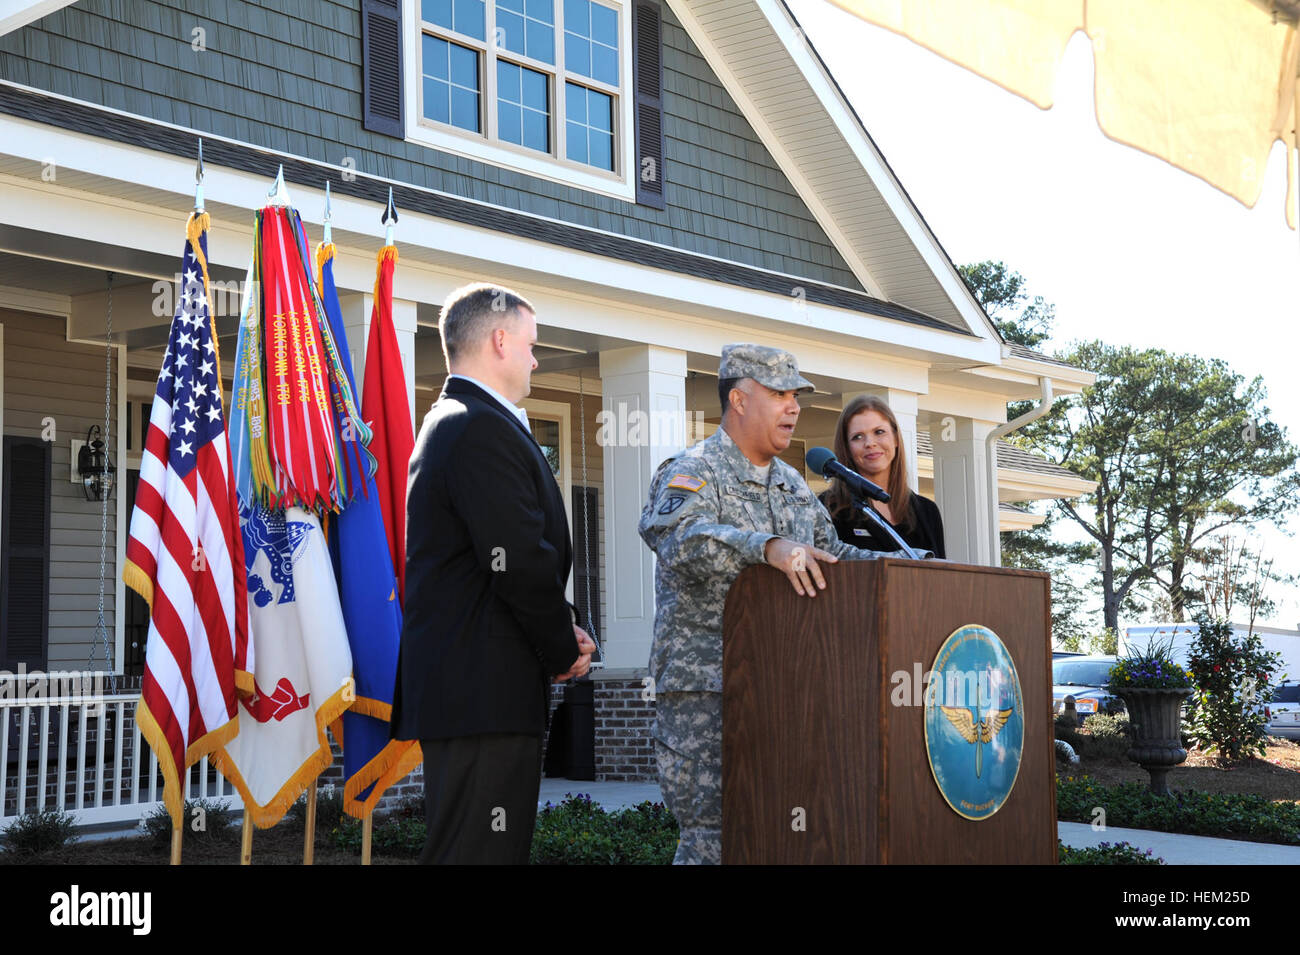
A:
[903,404]
[639,381]
[961,487]
[356,308]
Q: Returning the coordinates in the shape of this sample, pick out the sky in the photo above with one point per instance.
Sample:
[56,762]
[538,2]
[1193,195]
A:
[1130,249]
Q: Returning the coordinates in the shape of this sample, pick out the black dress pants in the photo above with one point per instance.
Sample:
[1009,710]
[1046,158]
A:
[480,798]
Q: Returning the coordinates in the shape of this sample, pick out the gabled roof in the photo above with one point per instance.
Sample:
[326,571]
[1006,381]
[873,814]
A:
[1023,351]
[150,134]
[758,51]
[19,13]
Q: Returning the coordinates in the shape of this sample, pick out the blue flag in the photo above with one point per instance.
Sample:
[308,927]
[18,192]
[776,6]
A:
[372,611]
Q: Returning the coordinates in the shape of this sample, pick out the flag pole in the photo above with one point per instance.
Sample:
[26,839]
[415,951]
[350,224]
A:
[176,844]
[246,839]
[309,841]
[388,219]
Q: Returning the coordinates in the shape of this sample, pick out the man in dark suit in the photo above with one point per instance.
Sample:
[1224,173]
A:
[486,627]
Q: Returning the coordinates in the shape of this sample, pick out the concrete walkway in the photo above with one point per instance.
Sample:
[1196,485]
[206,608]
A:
[1177,849]
[1174,848]
[612,796]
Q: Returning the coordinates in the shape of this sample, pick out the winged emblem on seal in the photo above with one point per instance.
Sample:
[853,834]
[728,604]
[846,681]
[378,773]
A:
[976,730]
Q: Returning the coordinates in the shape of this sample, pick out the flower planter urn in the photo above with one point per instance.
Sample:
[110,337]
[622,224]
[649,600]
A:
[1155,715]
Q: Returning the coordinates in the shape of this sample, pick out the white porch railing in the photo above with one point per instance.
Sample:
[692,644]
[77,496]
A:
[85,755]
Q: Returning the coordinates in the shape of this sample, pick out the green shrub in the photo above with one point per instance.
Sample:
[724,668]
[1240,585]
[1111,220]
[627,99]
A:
[576,832]
[1119,853]
[36,832]
[1106,737]
[215,821]
[391,836]
[329,808]
[1233,675]
[580,832]
[1133,805]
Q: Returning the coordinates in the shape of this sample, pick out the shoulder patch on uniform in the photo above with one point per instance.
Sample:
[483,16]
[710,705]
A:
[671,503]
[687,482]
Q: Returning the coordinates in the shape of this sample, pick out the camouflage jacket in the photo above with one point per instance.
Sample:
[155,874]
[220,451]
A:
[709,515]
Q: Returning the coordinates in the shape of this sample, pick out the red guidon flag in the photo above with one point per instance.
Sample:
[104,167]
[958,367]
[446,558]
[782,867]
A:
[185,555]
[299,420]
[384,407]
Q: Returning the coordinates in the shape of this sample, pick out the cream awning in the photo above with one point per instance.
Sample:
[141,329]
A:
[1207,85]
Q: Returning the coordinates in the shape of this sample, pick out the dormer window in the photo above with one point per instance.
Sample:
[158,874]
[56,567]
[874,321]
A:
[541,86]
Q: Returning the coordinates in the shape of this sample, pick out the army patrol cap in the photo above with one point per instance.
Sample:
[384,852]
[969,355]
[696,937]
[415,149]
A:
[772,367]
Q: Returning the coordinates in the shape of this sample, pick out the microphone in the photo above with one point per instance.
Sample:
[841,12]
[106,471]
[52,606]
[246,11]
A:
[822,460]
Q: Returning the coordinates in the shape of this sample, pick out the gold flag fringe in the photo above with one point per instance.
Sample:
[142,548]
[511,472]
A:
[267,815]
[208,744]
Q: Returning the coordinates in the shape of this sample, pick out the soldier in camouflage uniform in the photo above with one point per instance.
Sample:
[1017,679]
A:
[713,510]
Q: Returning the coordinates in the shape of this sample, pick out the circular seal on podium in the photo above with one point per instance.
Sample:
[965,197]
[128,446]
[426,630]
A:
[974,722]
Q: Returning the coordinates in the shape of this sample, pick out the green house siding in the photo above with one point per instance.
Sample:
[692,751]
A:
[286,75]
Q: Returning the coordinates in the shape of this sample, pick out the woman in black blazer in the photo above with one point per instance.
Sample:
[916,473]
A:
[867,440]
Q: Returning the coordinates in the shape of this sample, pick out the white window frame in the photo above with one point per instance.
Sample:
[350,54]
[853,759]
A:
[485,146]
[558,411]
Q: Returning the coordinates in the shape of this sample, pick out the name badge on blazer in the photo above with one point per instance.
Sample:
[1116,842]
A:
[861,532]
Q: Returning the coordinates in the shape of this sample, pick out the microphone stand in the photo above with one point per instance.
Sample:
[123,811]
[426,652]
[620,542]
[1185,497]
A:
[882,525]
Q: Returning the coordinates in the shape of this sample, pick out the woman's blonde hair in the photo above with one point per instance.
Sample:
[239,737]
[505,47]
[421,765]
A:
[839,499]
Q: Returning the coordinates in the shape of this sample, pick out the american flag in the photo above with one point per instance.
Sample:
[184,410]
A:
[184,533]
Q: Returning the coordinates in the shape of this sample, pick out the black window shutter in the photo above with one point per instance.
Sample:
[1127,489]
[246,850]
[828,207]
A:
[647,54]
[381,66]
[25,554]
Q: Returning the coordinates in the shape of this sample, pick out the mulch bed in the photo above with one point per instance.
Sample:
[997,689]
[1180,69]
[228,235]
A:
[279,845]
[1276,775]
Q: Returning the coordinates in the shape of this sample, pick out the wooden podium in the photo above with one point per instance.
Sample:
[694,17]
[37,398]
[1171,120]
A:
[820,766]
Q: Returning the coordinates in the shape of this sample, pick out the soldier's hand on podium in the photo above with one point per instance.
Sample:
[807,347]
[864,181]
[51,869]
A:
[799,563]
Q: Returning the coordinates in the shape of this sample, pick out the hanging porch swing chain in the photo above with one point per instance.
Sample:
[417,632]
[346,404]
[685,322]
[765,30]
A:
[586,517]
[100,627]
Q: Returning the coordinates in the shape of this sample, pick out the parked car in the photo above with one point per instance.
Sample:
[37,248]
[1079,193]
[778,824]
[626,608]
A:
[1084,677]
[1283,711]
[1058,654]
